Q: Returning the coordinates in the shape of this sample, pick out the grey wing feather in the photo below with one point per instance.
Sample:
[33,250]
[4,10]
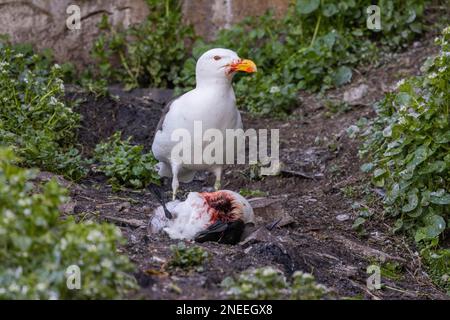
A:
[165,111]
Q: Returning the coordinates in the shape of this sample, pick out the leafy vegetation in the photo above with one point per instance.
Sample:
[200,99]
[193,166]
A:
[187,257]
[310,49]
[37,246]
[408,146]
[33,117]
[438,265]
[245,192]
[269,283]
[314,47]
[125,164]
[149,54]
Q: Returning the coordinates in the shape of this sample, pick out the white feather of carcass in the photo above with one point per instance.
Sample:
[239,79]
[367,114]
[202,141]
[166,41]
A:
[191,216]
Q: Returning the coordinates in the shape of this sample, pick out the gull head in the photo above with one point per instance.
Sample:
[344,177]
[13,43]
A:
[220,64]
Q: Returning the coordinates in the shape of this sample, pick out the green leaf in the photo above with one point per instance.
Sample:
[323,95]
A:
[416,212]
[387,132]
[420,155]
[367,167]
[398,225]
[440,197]
[434,226]
[413,201]
[358,222]
[378,173]
[412,16]
[329,9]
[444,137]
[393,193]
[307,6]
[403,98]
[342,76]
[437,166]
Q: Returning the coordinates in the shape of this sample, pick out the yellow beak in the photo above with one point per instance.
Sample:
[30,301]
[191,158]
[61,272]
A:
[244,65]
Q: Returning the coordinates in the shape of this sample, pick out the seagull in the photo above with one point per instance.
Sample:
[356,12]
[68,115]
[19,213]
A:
[218,216]
[212,102]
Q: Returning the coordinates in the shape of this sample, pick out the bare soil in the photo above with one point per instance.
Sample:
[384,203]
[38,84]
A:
[321,181]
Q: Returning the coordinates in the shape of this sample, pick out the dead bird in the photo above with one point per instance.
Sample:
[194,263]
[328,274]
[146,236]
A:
[219,216]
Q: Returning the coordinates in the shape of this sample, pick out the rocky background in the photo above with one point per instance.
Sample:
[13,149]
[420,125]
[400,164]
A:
[43,22]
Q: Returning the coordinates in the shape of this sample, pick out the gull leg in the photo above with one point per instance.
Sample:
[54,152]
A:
[175,183]
[218,174]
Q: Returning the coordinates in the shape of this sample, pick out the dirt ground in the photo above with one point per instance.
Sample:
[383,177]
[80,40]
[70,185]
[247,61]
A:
[316,192]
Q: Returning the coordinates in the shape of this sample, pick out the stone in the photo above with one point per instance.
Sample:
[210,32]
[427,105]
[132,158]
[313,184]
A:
[209,16]
[269,210]
[342,217]
[124,206]
[355,94]
[67,208]
[260,235]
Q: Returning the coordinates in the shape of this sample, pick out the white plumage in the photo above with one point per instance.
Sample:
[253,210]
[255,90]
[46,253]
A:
[199,211]
[212,102]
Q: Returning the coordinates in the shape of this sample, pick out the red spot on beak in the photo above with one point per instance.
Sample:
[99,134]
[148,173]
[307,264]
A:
[244,65]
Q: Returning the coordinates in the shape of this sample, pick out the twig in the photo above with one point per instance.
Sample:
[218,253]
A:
[132,222]
[297,174]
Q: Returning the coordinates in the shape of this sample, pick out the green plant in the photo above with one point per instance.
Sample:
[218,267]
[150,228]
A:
[187,257]
[125,164]
[304,287]
[314,47]
[269,283]
[33,117]
[245,192]
[37,246]
[438,265]
[408,148]
[147,54]
[391,270]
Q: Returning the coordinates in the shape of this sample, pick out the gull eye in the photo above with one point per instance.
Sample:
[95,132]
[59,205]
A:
[217,58]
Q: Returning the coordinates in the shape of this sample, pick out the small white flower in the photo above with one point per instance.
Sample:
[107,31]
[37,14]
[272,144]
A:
[9,214]
[402,120]
[13,287]
[274,89]
[53,101]
[106,263]
[24,202]
[399,84]
[95,235]
[63,244]
[307,276]
[92,248]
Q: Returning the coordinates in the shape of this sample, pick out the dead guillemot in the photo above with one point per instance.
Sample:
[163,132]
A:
[218,216]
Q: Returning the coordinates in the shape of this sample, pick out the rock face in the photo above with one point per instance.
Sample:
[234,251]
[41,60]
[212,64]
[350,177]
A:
[209,16]
[43,22]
